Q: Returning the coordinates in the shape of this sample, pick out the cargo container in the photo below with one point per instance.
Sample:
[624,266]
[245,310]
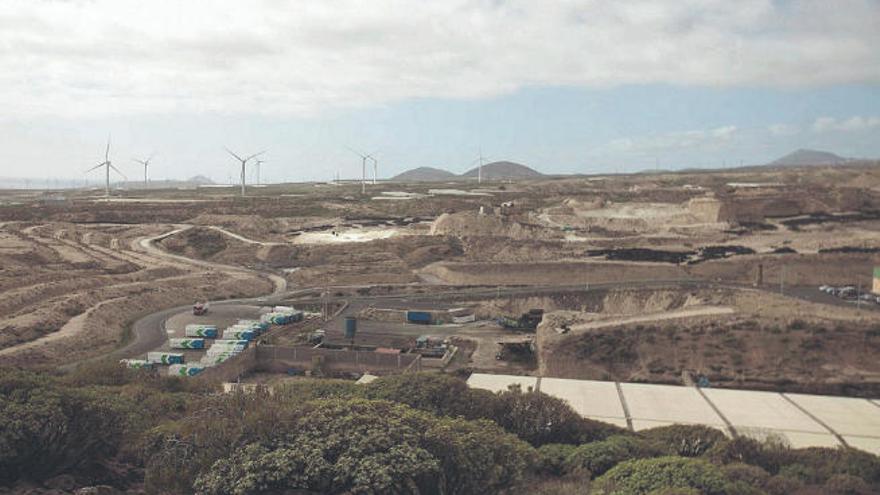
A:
[208,331]
[219,344]
[257,323]
[187,343]
[350,327]
[137,363]
[184,370]
[277,318]
[239,334]
[420,317]
[283,309]
[165,357]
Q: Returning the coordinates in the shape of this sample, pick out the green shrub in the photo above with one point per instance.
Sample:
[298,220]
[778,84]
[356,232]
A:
[685,440]
[768,455]
[745,473]
[552,458]
[643,476]
[307,390]
[781,485]
[476,456]
[47,428]
[804,474]
[825,463]
[845,484]
[437,393]
[540,419]
[599,457]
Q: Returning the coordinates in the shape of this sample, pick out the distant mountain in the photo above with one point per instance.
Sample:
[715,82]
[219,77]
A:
[809,157]
[424,174]
[504,170]
[198,180]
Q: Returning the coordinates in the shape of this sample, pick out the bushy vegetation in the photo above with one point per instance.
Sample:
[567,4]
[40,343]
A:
[644,476]
[418,433]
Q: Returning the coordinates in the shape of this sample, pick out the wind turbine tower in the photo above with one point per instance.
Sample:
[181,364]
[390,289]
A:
[364,158]
[243,164]
[107,166]
[259,162]
[146,164]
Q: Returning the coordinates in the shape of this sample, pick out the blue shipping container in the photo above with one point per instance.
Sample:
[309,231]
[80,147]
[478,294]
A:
[422,317]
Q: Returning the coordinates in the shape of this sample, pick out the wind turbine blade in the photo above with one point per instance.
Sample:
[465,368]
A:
[255,155]
[356,152]
[107,152]
[233,154]
[152,155]
[142,162]
[96,167]
[118,171]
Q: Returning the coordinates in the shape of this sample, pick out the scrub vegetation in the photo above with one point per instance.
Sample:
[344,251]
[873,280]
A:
[132,431]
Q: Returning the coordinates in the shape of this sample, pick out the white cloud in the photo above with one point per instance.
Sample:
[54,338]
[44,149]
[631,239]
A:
[674,141]
[100,57]
[857,123]
[783,129]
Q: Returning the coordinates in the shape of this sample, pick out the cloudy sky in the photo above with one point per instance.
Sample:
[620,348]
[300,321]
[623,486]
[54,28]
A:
[563,86]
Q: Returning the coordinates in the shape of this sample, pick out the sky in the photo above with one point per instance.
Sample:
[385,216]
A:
[567,86]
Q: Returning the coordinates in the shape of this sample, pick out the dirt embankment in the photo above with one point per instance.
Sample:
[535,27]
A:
[69,291]
[766,342]
[540,273]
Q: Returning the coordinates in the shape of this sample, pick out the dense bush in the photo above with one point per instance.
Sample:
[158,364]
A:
[47,428]
[476,456]
[553,458]
[745,473]
[845,484]
[534,417]
[306,390]
[643,476]
[437,393]
[541,419]
[599,457]
[246,444]
[685,440]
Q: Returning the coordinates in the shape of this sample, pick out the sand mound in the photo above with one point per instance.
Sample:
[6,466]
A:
[472,224]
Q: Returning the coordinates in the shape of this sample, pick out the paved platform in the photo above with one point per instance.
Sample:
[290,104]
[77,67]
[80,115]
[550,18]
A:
[799,419]
[591,399]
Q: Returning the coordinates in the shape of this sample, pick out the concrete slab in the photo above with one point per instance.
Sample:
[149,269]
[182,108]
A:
[845,415]
[867,444]
[593,399]
[761,410]
[499,383]
[668,403]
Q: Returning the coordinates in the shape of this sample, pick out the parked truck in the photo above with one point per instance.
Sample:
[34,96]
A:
[526,322]
[200,308]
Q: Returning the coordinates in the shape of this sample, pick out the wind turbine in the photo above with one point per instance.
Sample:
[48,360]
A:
[364,158]
[259,162]
[243,163]
[479,160]
[145,163]
[107,166]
